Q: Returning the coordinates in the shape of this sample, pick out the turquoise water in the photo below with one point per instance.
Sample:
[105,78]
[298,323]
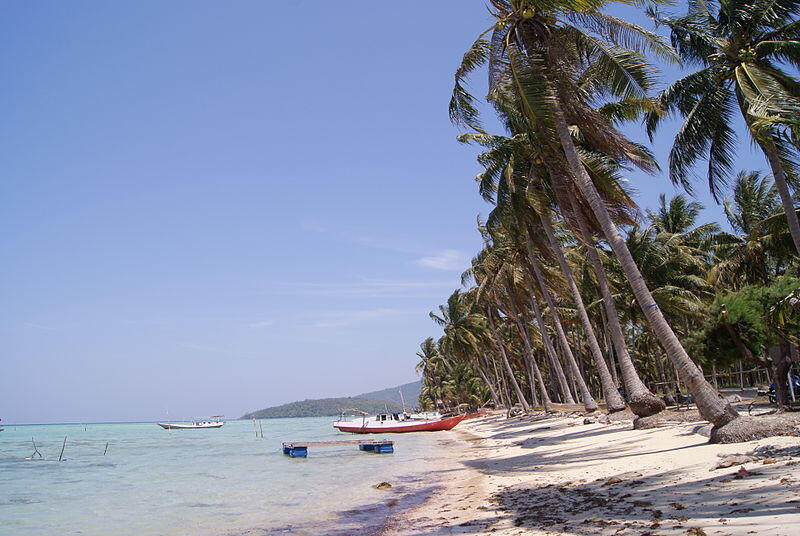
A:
[203,482]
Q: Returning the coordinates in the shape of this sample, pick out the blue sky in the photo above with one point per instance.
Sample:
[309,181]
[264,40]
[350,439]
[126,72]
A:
[214,207]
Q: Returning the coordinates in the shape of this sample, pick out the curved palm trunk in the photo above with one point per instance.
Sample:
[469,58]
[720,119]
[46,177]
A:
[485,377]
[551,352]
[609,347]
[783,190]
[641,401]
[530,358]
[713,408]
[505,395]
[534,366]
[586,397]
[520,396]
[614,401]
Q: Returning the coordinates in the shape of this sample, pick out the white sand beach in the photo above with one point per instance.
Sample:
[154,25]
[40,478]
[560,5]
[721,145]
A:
[557,475]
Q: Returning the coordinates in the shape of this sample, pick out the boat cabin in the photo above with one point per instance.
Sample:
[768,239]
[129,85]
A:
[382,417]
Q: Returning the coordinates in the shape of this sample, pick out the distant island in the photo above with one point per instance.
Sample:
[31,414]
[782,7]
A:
[373,402]
[410,392]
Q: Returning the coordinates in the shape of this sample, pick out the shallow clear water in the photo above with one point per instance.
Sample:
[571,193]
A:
[200,482]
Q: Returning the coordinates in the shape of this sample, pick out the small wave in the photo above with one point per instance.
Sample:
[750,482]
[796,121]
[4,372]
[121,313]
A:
[21,500]
[205,505]
[209,475]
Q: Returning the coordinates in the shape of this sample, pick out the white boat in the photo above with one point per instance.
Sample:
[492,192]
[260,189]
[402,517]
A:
[426,415]
[196,424]
[394,423]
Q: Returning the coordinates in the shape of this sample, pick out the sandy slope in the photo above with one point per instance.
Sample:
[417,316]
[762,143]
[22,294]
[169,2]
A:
[559,476]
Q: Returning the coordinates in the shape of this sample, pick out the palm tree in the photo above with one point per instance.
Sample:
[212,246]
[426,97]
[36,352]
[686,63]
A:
[464,336]
[740,49]
[496,274]
[614,401]
[747,256]
[512,223]
[559,55]
[509,252]
[642,402]
[676,216]
[673,253]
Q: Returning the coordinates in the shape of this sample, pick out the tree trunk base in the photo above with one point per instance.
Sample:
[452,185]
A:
[616,407]
[649,421]
[748,428]
[591,408]
[646,404]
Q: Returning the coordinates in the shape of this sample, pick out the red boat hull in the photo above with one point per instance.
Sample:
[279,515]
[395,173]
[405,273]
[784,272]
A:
[431,426]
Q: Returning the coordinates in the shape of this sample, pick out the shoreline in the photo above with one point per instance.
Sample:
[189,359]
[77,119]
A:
[557,475]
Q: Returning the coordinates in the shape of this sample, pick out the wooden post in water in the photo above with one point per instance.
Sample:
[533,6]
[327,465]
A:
[35,450]
[64,444]
[106,449]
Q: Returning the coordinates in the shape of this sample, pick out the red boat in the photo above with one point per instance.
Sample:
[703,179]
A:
[395,423]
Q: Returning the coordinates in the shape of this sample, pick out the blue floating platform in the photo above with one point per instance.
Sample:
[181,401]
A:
[299,449]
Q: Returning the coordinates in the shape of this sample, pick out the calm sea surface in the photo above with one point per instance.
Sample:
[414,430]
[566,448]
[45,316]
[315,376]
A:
[205,482]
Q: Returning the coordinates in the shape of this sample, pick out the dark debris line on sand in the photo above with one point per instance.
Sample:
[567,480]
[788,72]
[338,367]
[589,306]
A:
[628,506]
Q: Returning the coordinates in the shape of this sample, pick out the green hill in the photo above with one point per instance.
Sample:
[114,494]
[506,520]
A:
[410,393]
[324,407]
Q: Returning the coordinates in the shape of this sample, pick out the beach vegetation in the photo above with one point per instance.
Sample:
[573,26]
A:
[580,296]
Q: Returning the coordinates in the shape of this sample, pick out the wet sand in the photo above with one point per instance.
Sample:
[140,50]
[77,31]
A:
[557,475]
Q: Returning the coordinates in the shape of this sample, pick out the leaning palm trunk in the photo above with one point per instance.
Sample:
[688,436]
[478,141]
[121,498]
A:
[530,358]
[612,361]
[586,397]
[534,366]
[479,364]
[520,396]
[551,352]
[641,401]
[779,175]
[505,395]
[711,406]
[614,401]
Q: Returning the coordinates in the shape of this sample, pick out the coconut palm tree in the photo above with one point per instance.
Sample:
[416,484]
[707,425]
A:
[512,222]
[494,271]
[747,256]
[559,56]
[465,338]
[742,50]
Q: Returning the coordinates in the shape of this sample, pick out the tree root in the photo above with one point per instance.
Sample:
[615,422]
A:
[748,428]
[649,421]
[646,404]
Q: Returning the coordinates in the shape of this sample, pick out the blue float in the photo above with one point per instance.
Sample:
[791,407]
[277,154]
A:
[299,449]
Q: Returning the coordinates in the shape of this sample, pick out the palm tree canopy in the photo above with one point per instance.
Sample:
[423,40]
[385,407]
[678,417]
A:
[742,50]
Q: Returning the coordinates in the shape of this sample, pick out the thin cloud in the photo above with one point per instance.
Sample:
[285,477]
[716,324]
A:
[313,227]
[352,318]
[448,259]
[205,348]
[261,324]
[367,241]
[367,288]
[42,327]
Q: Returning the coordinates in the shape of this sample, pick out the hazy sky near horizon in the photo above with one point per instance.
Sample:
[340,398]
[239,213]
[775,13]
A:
[213,207]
